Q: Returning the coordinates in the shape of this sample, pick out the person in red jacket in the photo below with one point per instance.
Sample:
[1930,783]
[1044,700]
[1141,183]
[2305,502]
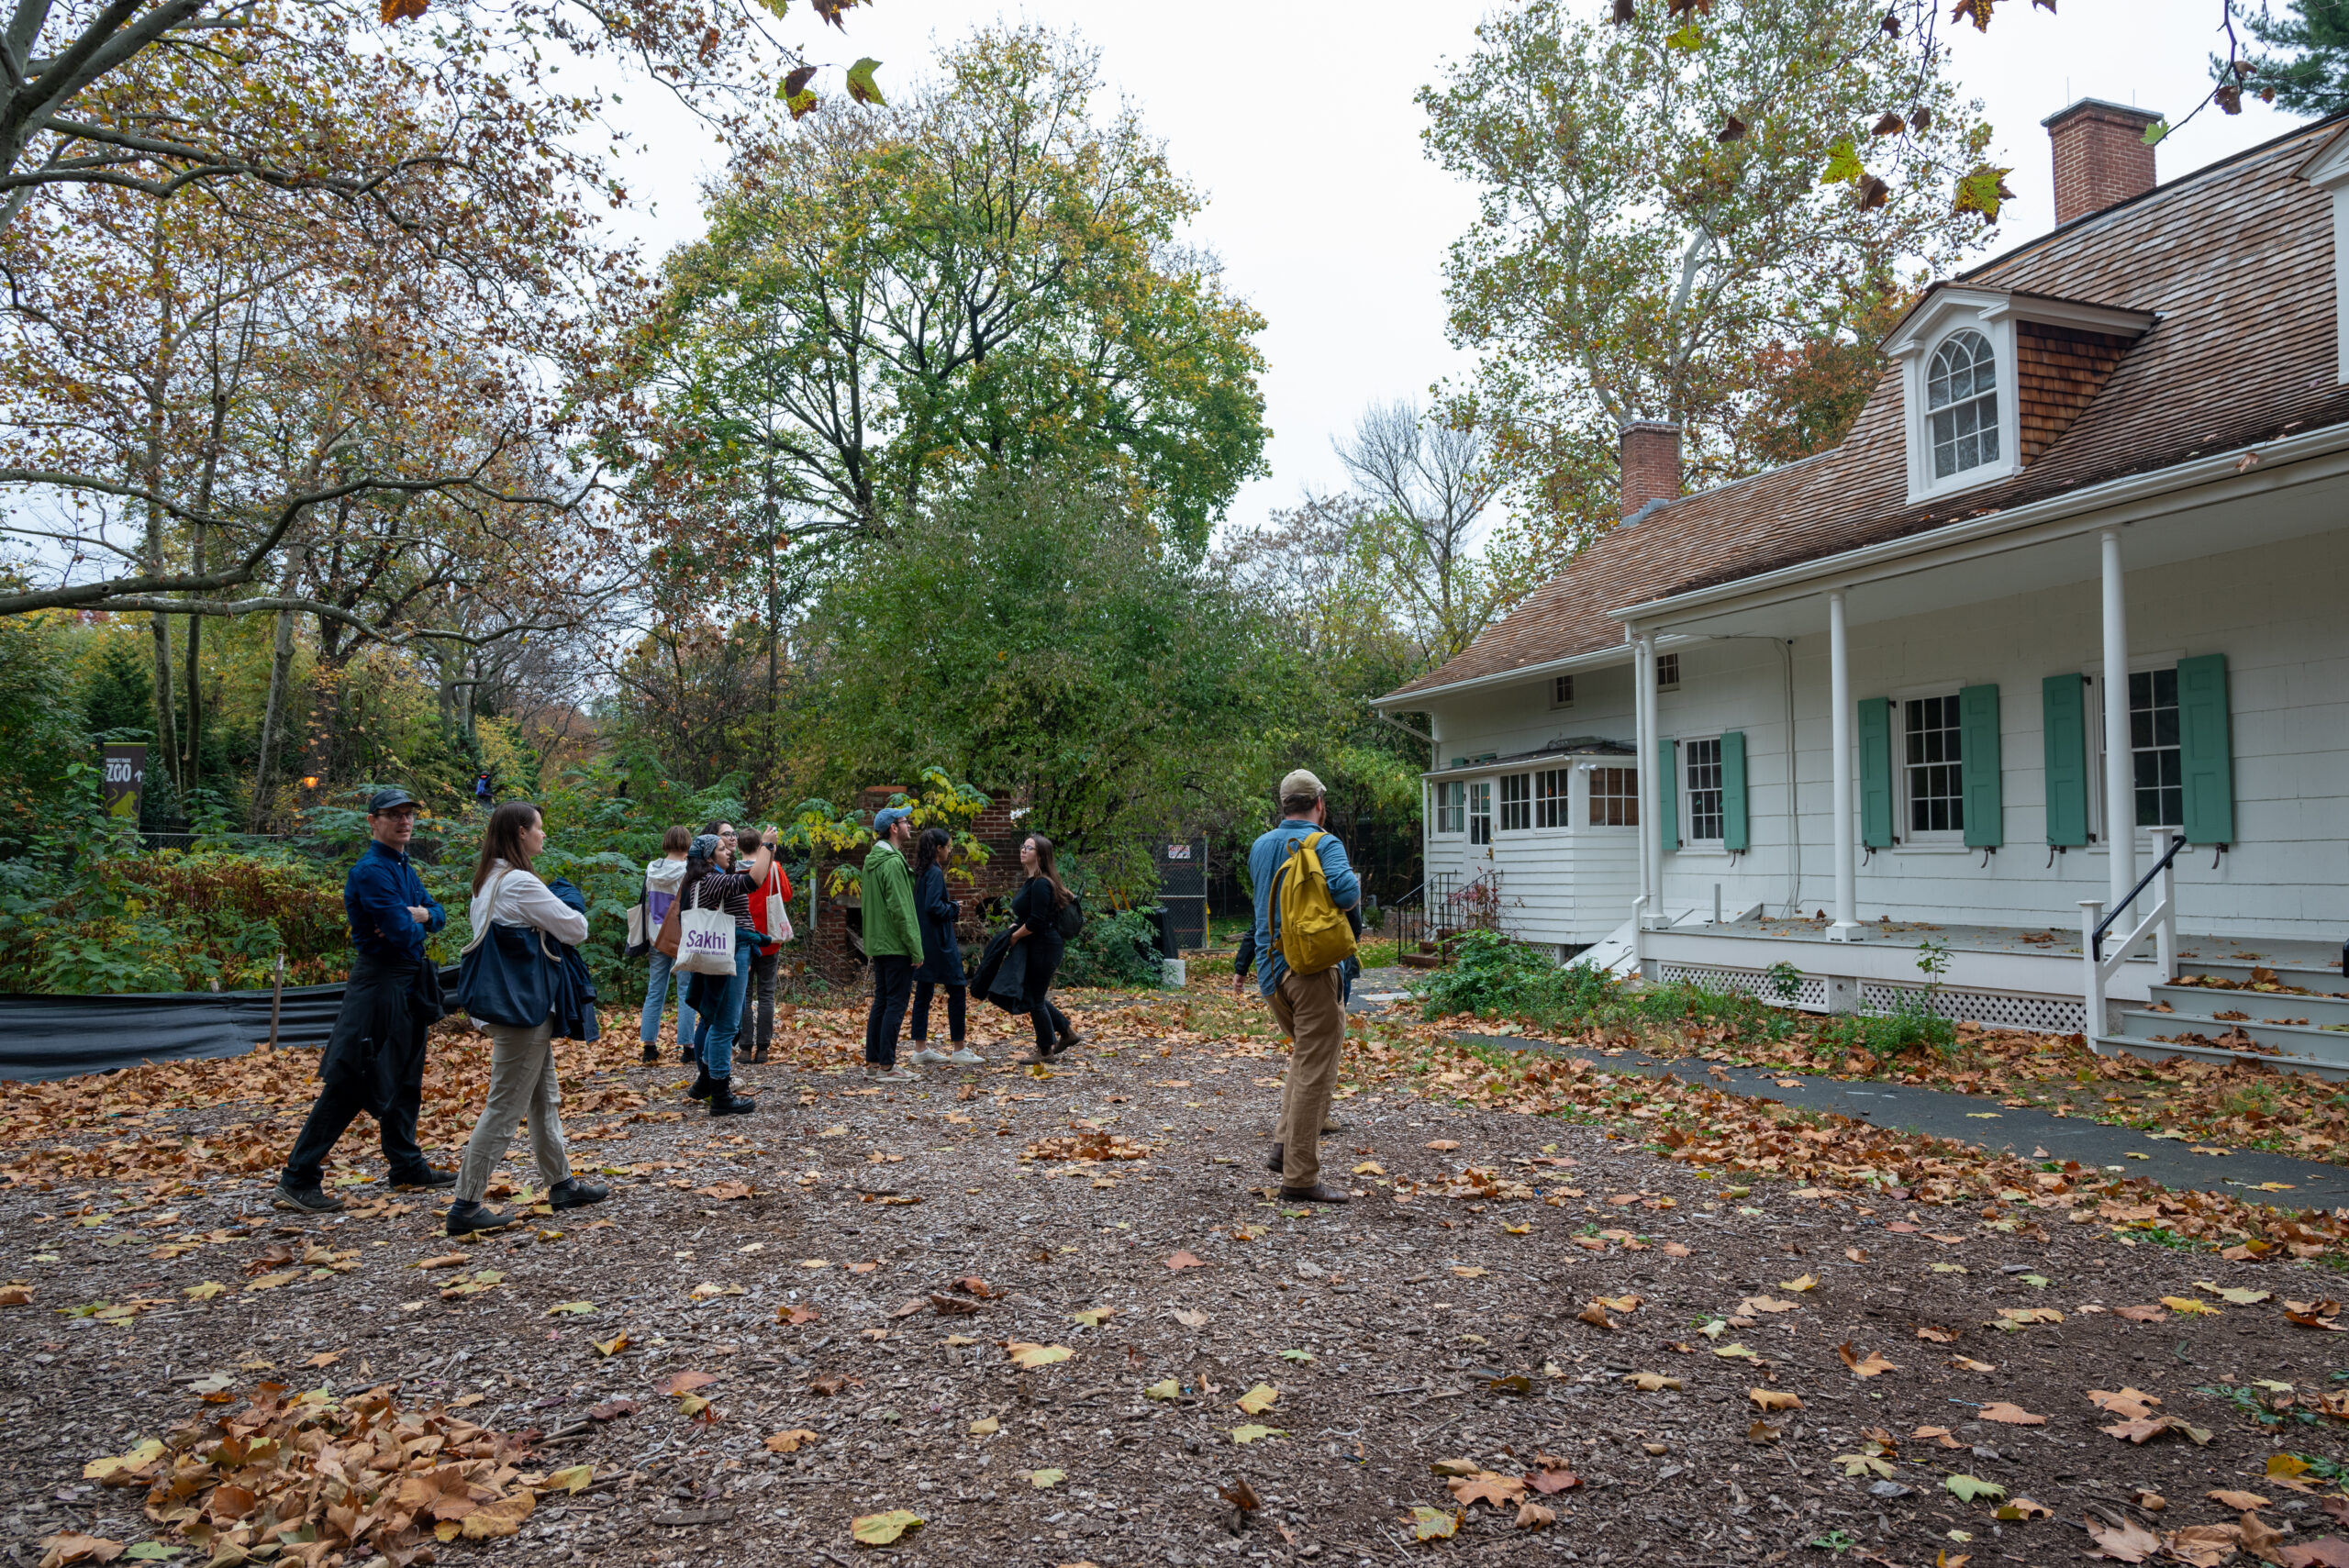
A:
[766,913]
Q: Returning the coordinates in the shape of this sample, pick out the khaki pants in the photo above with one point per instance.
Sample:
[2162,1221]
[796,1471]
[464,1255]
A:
[1312,1011]
[522,1082]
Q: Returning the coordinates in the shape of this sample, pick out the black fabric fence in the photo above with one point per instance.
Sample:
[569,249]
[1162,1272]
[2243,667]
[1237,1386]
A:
[57,1037]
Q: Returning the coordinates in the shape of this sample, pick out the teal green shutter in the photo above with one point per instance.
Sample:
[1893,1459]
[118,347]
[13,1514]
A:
[1733,833]
[1977,753]
[1667,789]
[2063,722]
[1876,773]
[2206,750]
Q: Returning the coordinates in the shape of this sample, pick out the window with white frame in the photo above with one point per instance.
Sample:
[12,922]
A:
[1480,812]
[2157,769]
[1667,671]
[1702,767]
[1933,778]
[1517,801]
[1562,691]
[1450,806]
[1614,797]
[1551,786]
[1962,405]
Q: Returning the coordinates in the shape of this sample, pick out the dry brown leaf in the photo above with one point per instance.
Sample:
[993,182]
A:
[2009,1415]
[2127,1541]
[1873,1364]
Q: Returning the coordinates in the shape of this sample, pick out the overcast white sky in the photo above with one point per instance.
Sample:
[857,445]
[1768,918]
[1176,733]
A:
[1295,117]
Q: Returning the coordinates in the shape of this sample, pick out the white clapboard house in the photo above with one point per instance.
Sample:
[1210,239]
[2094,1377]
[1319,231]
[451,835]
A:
[2067,609]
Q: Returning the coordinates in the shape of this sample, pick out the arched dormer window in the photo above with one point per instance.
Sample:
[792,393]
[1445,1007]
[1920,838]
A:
[1962,405]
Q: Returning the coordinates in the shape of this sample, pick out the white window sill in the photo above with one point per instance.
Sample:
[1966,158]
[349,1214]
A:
[1930,847]
[1709,849]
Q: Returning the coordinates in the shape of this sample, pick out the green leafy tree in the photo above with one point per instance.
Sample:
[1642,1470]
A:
[985,274]
[1035,631]
[1664,196]
[2304,67]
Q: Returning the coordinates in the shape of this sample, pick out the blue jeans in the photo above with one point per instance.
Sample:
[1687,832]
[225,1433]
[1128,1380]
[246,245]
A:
[714,1036]
[656,1000]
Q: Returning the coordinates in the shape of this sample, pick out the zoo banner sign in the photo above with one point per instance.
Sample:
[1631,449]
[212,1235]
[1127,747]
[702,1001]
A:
[125,779]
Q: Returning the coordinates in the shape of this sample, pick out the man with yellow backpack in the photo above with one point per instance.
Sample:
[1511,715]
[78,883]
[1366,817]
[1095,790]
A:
[1304,887]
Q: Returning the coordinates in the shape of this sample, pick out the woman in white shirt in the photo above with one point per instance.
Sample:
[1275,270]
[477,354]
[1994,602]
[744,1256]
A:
[522,1079]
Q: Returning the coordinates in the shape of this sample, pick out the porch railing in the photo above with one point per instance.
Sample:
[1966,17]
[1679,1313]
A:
[2160,923]
[1424,915]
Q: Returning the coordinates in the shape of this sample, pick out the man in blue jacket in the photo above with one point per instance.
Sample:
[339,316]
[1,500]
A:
[1311,1007]
[374,1059]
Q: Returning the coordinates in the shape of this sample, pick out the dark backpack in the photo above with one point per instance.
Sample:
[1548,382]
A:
[1070,921]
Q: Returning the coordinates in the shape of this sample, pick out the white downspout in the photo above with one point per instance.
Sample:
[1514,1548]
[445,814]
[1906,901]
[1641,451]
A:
[1846,928]
[2119,796]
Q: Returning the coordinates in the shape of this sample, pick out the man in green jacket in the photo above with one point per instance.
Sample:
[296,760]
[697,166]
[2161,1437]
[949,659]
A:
[892,940]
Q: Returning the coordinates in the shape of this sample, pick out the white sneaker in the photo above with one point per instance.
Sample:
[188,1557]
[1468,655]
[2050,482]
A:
[923,1056]
[894,1076]
[965,1057]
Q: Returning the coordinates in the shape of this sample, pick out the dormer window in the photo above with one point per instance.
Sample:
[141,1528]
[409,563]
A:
[1992,378]
[1961,400]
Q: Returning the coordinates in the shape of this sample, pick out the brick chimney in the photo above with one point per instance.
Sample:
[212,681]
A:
[2101,159]
[1651,463]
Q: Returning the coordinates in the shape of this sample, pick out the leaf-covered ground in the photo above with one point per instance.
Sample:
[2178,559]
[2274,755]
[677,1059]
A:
[2236,1104]
[1060,1317]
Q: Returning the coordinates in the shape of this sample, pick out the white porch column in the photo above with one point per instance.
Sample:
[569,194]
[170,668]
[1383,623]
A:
[1651,793]
[1839,761]
[2119,785]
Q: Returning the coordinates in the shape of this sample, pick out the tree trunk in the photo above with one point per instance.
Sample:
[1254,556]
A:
[280,665]
[167,730]
[189,767]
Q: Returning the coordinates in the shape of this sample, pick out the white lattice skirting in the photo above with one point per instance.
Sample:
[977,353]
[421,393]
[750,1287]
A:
[1810,996]
[1996,1009]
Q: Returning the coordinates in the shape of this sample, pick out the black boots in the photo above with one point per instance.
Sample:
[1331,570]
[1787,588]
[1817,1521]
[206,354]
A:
[700,1091]
[724,1102]
[1274,1163]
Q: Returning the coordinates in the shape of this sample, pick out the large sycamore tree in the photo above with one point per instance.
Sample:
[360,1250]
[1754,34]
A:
[987,274]
[1676,210]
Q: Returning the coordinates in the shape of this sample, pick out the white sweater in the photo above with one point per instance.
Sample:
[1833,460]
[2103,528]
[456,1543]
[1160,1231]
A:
[511,897]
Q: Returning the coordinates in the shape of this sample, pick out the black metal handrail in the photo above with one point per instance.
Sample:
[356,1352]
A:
[2096,938]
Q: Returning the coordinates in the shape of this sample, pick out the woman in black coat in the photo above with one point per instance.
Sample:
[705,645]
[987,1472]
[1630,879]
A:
[941,955]
[1036,907]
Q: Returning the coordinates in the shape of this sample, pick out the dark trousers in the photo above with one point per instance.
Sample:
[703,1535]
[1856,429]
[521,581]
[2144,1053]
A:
[957,999]
[759,994]
[893,979]
[1049,1022]
[340,1099]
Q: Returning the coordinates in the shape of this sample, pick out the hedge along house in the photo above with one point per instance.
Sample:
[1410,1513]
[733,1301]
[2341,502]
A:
[2073,590]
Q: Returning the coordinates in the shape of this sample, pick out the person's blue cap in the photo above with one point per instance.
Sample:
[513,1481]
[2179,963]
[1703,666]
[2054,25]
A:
[385,800]
[887,818]
[706,845]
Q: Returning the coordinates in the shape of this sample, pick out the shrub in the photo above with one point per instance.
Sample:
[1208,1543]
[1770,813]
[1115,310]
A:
[1492,977]
[1118,947]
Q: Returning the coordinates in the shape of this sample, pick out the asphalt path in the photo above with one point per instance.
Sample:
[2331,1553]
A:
[1976,1119]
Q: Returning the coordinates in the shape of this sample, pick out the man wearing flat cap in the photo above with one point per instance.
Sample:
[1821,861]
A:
[374,1059]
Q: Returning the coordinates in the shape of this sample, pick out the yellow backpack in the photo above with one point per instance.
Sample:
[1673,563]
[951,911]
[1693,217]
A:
[1314,936]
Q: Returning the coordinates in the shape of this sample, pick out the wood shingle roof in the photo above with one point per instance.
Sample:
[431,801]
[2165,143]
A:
[2235,259]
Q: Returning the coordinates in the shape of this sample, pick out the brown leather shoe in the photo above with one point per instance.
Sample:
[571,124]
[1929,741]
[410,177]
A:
[1317,1193]
[1274,1163]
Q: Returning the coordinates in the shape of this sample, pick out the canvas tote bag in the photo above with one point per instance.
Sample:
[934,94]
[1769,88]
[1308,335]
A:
[704,940]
